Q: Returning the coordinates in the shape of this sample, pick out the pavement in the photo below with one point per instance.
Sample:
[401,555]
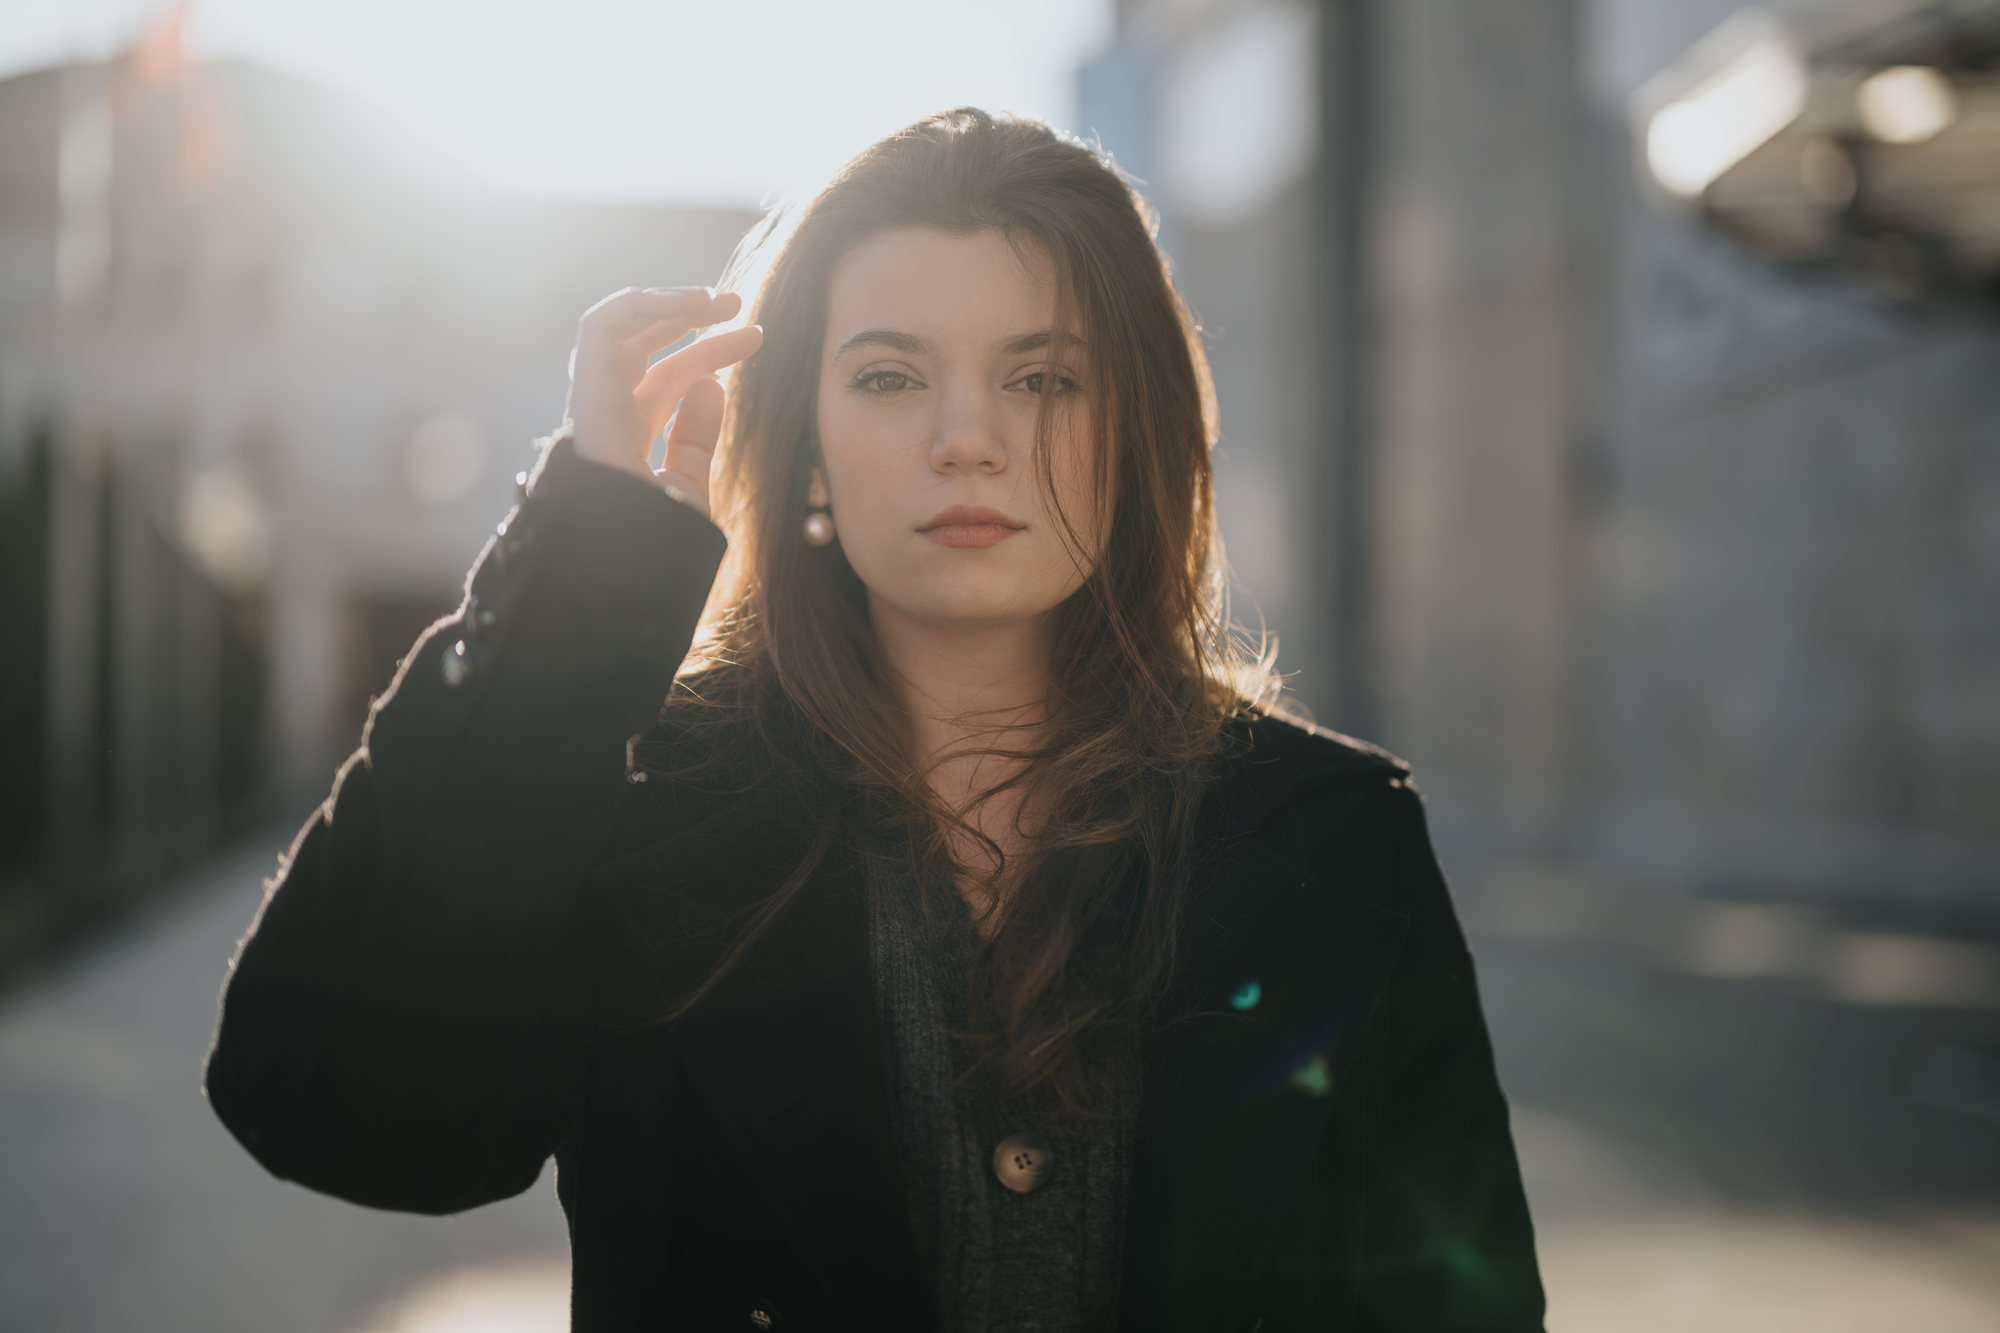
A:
[1745,1117]
[1733,1117]
[127,1208]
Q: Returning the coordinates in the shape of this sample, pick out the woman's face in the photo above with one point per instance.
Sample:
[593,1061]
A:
[939,352]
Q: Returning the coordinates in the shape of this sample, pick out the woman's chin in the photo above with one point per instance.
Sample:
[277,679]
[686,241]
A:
[961,609]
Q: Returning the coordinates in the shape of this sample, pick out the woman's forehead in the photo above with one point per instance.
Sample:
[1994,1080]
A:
[930,283]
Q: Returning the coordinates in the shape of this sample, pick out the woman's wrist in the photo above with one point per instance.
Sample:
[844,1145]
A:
[611,454]
[620,462]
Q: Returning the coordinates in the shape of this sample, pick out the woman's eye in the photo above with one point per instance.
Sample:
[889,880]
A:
[882,381]
[1036,381]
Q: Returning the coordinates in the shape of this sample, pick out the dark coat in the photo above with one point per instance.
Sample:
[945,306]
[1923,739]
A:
[451,980]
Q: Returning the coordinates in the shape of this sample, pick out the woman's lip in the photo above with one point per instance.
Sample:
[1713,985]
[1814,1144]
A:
[969,526]
[955,516]
[968,534]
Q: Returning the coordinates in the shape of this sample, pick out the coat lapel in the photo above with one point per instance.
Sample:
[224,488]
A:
[788,1050]
[1279,977]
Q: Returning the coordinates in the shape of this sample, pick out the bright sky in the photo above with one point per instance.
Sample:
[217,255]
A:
[723,102]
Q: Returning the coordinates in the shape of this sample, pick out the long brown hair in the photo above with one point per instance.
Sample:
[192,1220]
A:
[1145,670]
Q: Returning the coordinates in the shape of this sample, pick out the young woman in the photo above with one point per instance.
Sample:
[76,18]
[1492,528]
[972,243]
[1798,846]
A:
[959,947]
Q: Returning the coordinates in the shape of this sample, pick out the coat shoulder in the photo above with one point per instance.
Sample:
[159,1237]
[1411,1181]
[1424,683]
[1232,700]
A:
[1278,758]
[1344,811]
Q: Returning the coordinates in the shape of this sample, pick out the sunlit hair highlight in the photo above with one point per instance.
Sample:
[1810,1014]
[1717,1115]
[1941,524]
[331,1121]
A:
[786,680]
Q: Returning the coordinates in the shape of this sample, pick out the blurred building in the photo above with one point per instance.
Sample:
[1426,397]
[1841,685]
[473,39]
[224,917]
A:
[1660,527]
[266,375]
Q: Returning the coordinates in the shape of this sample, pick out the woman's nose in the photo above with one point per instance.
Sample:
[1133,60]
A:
[968,437]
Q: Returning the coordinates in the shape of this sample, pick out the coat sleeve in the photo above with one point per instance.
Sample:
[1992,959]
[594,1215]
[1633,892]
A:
[1447,1244]
[398,1028]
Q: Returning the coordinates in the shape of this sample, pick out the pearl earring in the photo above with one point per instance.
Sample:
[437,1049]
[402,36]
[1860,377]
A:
[819,528]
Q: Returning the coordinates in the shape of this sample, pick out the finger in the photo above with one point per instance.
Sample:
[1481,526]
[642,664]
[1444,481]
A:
[630,307]
[671,378]
[655,337]
[724,306]
[697,426]
[666,332]
[688,490]
[624,313]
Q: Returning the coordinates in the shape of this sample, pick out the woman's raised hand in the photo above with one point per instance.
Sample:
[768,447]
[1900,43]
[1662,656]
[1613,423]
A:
[618,405]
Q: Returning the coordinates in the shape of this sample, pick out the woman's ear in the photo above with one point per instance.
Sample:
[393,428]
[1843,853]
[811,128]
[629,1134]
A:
[816,495]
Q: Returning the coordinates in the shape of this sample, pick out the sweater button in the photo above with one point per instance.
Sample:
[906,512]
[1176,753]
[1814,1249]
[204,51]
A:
[1024,1162]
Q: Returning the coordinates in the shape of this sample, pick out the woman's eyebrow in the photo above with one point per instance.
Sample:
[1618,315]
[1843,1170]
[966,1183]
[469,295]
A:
[1036,341]
[893,339]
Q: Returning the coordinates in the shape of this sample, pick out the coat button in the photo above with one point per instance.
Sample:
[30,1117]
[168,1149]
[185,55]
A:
[1024,1162]
[764,1316]
[455,665]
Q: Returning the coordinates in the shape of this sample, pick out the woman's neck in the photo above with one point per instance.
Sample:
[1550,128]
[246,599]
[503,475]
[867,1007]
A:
[970,688]
[965,682]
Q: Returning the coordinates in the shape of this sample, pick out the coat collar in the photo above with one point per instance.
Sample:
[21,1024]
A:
[1278,977]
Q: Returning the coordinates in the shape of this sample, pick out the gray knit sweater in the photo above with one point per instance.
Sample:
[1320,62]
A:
[1003,1262]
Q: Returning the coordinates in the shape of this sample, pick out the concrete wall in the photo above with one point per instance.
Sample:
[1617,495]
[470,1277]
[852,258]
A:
[1479,263]
[1677,564]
